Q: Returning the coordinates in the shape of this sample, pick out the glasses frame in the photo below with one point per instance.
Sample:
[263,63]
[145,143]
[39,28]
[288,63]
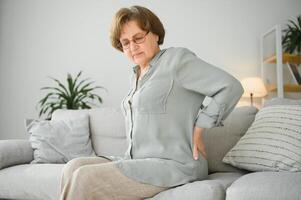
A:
[134,40]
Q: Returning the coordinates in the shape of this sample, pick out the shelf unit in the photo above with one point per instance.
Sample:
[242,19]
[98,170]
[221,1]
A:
[279,58]
[286,58]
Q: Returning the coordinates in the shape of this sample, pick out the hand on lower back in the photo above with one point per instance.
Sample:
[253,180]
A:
[198,144]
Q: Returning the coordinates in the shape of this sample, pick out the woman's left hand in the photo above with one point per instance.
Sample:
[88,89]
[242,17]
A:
[198,144]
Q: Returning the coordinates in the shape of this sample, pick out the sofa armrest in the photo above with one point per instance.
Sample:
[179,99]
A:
[14,152]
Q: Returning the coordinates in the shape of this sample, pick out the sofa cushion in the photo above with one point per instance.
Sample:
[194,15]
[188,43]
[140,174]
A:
[219,140]
[225,178]
[107,129]
[266,186]
[272,143]
[60,140]
[212,189]
[31,181]
[205,190]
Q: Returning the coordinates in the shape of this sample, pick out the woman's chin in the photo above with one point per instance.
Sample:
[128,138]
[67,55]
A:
[139,61]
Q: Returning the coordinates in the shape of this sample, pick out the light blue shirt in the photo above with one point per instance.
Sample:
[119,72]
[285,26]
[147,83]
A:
[161,111]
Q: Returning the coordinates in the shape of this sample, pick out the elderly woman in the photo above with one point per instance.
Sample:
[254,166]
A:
[165,115]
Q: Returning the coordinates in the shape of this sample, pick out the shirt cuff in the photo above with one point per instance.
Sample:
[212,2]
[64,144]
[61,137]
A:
[211,115]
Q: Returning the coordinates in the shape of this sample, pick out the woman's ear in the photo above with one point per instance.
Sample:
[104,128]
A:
[157,37]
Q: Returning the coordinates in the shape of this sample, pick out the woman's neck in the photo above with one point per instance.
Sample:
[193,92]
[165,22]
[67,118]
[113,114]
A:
[142,71]
[146,65]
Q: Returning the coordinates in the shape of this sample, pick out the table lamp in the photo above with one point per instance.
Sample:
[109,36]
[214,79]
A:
[254,87]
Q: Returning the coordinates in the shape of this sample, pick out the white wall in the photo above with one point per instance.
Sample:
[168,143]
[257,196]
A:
[53,37]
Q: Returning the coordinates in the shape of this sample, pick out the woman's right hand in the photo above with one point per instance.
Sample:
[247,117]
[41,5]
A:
[198,144]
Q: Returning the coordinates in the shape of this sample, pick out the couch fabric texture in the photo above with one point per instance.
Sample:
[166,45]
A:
[15,152]
[266,186]
[107,131]
[219,140]
[272,143]
[58,141]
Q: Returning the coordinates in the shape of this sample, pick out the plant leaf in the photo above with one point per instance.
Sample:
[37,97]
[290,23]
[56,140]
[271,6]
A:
[76,94]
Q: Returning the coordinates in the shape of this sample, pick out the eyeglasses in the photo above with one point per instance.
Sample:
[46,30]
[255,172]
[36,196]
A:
[137,39]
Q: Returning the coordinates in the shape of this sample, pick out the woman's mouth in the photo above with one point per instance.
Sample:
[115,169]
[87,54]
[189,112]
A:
[137,55]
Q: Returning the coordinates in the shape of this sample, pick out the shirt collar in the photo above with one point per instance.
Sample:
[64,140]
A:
[153,61]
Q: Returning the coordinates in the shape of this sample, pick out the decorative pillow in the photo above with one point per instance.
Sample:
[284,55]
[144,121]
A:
[281,101]
[107,129]
[58,141]
[272,143]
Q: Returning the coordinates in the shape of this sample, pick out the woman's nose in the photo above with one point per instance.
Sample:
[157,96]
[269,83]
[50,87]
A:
[133,46]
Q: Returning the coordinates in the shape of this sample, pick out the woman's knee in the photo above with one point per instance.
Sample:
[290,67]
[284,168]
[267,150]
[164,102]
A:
[68,170]
[74,185]
[73,165]
[70,167]
[80,177]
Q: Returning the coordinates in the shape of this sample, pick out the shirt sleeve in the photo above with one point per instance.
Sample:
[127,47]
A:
[223,90]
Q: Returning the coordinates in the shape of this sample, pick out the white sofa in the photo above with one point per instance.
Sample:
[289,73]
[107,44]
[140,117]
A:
[21,180]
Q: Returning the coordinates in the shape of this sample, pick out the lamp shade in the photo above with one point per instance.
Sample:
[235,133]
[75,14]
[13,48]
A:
[254,86]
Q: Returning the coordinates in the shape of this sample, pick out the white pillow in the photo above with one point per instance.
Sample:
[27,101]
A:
[272,143]
[58,141]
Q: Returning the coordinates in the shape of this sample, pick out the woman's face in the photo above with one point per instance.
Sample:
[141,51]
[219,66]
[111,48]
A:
[141,53]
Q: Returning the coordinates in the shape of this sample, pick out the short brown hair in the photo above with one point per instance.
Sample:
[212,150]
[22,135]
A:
[145,18]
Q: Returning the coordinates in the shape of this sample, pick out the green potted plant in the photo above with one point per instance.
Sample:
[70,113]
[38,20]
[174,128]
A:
[291,40]
[75,95]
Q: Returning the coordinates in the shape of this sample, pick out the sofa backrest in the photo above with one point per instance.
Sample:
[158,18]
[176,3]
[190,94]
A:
[219,140]
[108,136]
[107,129]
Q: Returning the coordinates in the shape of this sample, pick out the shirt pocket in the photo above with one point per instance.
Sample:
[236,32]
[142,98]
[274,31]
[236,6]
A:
[153,97]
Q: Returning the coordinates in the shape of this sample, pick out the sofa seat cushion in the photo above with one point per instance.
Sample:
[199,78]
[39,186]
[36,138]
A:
[225,178]
[212,189]
[266,186]
[31,181]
